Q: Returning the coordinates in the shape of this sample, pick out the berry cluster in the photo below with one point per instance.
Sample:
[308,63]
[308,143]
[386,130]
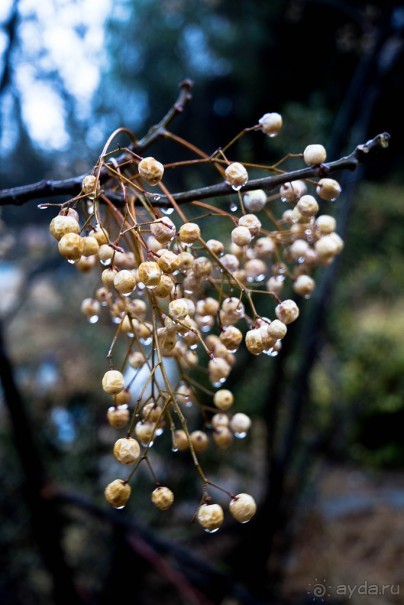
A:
[178,297]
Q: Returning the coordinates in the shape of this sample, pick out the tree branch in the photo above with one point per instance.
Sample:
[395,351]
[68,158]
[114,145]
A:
[45,189]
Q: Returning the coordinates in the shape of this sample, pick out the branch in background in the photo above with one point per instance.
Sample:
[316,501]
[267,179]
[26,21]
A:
[46,189]
[18,196]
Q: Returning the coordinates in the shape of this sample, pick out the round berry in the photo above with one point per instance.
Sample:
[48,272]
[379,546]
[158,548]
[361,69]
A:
[113,382]
[162,497]
[236,175]
[117,493]
[223,399]
[62,224]
[271,123]
[118,416]
[151,170]
[314,154]
[210,517]
[287,311]
[242,507]
[126,450]
[189,233]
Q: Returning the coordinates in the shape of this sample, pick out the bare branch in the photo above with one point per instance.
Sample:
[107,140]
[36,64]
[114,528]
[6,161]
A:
[26,193]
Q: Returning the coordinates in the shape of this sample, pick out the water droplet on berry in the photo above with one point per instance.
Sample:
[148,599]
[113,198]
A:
[240,435]
[119,507]
[159,431]
[233,207]
[236,187]
[147,443]
[211,531]
[71,261]
[146,341]
[93,319]
[106,262]
[174,449]
[156,197]
[42,206]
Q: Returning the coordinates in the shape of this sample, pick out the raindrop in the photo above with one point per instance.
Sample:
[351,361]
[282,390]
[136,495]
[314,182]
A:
[174,449]
[219,382]
[42,206]
[93,319]
[147,443]
[211,531]
[106,262]
[233,207]
[71,261]
[156,197]
[167,211]
[119,507]
[159,431]
[240,435]
[236,187]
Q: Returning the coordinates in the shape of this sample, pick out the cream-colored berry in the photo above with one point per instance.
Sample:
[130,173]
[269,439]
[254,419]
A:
[186,261]
[105,254]
[219,370]
[71,246]
[118,416]
[304,285]
[242,507]
[293,191]
[189,233]
[241,236]
[165,287]
[240,423]
[255,200]
[136,360]
[271,123]
[178,309]
[91,246]
[326,247]
[151,170]
[163,230]
[210,517]
[252,222]
[255,270]
[215,246]
[231,337]
[100,234]
[232,310]
[162,497]
[199,440]
[264,247]
[145,431]
[220,419]
[287,311]
[149,274]
[236,175]
[326,224]
[126,450]
[307,206]
[123,397]
[328,189]
[222,436]
[230,261]
[62,224]
[113,382]
[298,248]
[90,186]
[202,266]
[125,281]
[90,307]
[223,399]
[254,341]
[277,329]
[168,261]
[117,493]
[180,440]
[314,154]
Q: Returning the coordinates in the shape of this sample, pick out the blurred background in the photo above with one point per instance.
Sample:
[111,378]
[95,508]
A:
[325,458]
